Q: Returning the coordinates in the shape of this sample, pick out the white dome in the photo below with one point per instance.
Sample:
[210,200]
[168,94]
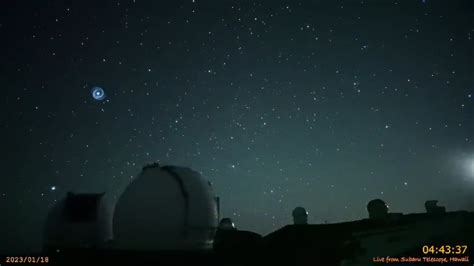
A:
[166,208]
[78,221]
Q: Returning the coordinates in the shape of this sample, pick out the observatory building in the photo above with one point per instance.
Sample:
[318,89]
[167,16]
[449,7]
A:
[78,221]
[166,208]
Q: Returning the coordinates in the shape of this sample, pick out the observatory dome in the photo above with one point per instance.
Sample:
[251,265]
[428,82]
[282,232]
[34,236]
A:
[78,221]
[166,208]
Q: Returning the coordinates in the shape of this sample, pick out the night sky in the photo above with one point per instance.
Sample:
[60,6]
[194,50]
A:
[323,104]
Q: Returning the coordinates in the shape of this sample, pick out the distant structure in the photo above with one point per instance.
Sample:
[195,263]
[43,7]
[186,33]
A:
[78,221]
[166,208]
[377,209]
[431,206]
[300,216]
[229,239]
[227,224]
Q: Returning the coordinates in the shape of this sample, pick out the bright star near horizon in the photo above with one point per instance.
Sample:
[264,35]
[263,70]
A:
[465,167]
[470,167]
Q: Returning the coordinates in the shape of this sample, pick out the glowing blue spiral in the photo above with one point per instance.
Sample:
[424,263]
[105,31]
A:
[98,93]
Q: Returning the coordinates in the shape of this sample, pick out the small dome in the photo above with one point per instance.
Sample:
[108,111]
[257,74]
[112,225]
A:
[78,221]
[166,208]
[431,206]
[227,224]
[300,215]
[377,208]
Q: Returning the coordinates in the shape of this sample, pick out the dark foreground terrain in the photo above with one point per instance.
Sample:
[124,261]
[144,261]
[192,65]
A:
[356,243]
